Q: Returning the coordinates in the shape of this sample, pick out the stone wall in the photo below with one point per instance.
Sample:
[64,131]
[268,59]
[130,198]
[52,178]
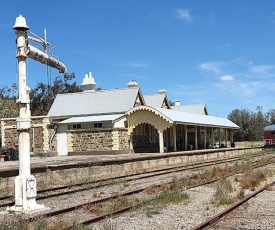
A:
[11,138]
[123,140]
[37,142]
[10,122]
[38,126]
[76,171]
[91,140]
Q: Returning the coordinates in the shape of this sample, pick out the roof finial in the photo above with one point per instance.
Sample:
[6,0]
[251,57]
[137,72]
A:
[88,83]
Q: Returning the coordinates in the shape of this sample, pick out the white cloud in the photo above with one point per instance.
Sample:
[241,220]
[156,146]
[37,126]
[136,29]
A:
[211,67]
[246,89]
[261,69]
[227,78]
[183,15]
[246,76]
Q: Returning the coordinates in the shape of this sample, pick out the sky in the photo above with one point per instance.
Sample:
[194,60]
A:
[216,52]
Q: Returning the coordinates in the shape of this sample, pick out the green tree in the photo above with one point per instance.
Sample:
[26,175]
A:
[251,123]
[257,124]
[270,116]
[8,106]
[42,96]
[241,117]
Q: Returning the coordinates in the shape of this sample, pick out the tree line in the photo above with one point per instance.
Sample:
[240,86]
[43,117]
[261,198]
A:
[252,123]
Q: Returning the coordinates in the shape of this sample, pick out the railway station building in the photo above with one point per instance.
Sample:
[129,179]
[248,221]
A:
[120,121]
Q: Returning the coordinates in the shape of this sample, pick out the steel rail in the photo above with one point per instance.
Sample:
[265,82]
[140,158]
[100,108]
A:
[209,222]
[104,216]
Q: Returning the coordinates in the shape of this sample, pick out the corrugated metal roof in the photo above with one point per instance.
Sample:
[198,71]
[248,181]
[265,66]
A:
[86,119]
[269,128]
[114,101]
[193,108]
[155,100]
[191,118]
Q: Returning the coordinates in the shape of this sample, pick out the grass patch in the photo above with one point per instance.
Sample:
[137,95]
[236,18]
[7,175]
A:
[223,192]
[111,206]
[252,179]
[78,226]
[168,197]
[153,210]
[6,192]
[164,199]
[249,144]
[14,223]
[41,155]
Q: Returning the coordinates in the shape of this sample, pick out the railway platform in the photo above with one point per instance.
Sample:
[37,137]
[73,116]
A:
[62,170]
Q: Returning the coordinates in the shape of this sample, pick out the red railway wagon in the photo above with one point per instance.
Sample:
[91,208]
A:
[269,135]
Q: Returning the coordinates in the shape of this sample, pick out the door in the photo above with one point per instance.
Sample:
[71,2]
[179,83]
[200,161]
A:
[62,149]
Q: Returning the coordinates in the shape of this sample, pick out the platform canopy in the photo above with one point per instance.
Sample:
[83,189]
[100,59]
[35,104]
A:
[178,117]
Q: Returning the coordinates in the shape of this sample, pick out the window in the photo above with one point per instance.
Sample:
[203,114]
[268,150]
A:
[77,126]
[97,125]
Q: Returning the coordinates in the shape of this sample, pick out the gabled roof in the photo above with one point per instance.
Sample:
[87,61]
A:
[116,101]
[269,128]
[192,108]
[178,117]
[100,118]
[157,100]
[197,119]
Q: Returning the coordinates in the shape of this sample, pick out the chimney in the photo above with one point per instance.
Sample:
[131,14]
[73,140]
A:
[162,91]
[88,83]
[132,84]
[177,102]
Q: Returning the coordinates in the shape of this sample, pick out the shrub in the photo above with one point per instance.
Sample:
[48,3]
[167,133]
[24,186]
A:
[11,154]
[223,195]
[252,179]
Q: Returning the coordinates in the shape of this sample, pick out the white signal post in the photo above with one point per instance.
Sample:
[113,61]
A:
[25,184]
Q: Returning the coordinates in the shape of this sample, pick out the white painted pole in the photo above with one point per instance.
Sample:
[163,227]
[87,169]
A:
[161,148]
[24,184]
[185,137]
[175,137]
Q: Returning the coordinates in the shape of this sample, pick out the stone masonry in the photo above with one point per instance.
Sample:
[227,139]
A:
[91,140]
[39,130]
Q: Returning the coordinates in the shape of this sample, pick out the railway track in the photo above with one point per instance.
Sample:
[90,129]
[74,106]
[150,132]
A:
[236,216]
[87,208]
[134,197]
[79,187]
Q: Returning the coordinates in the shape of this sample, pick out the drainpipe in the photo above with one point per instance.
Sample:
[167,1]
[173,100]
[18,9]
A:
[52,137]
